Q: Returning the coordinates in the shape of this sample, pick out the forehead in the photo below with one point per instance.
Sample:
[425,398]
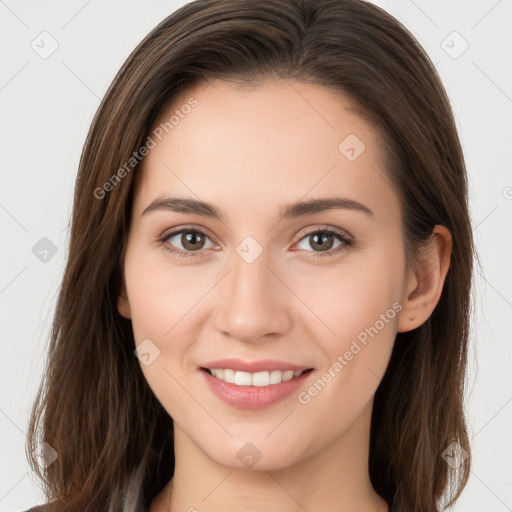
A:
[281,139]
[276,114]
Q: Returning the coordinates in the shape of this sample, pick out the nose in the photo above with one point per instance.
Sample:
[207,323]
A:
[252,303]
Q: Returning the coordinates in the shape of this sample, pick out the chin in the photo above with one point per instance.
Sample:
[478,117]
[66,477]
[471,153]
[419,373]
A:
[252,457]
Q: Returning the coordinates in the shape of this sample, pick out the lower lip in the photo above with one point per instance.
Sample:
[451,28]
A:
[253,397]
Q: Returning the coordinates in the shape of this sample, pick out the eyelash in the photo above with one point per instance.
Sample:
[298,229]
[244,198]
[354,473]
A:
[346,242]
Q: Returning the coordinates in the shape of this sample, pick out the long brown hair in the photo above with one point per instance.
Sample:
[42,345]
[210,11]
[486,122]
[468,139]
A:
[113,438]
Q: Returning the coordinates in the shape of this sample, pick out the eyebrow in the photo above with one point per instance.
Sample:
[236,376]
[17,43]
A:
[294,210]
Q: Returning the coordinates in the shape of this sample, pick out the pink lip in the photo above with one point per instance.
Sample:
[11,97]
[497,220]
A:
[254,366]
[253,397]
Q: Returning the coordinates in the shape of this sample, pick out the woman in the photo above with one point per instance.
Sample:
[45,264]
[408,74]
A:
[206,354]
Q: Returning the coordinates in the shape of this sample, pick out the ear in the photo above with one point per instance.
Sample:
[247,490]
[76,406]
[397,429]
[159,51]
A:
[123,305]
[425,284]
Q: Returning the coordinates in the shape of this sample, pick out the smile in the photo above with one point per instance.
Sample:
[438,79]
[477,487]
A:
[260,379]
[245,390]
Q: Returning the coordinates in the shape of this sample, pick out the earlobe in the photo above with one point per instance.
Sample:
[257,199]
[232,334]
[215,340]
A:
[425,285]
[123,305]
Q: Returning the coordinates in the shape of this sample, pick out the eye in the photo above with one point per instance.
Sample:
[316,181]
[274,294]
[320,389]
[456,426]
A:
[185,242]
[324,239]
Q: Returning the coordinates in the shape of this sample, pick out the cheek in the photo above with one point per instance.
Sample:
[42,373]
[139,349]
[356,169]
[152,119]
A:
[352,296]
[361,305]
[358,307]
[164,302]
[365,308]
[162,295]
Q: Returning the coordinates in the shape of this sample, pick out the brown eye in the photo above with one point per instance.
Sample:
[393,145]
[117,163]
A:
[322,241]
[186,241]
[192,240]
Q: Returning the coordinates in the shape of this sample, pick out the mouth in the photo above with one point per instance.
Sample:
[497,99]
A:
[268,383]
[257,379]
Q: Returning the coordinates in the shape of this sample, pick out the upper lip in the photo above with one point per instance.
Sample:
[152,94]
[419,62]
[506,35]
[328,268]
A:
[254,366]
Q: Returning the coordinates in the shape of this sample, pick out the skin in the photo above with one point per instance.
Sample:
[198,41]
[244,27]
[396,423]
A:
[250,152]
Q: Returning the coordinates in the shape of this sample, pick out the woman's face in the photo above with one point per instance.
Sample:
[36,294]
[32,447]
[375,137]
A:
[257,284]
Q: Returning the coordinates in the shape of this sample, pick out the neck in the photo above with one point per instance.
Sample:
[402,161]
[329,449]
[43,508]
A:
[334,479]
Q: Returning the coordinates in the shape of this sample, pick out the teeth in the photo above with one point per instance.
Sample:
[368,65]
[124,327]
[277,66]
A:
[229,376]
[242,378]
[259,379]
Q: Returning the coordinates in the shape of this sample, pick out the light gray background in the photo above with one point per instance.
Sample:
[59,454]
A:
[47,105]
